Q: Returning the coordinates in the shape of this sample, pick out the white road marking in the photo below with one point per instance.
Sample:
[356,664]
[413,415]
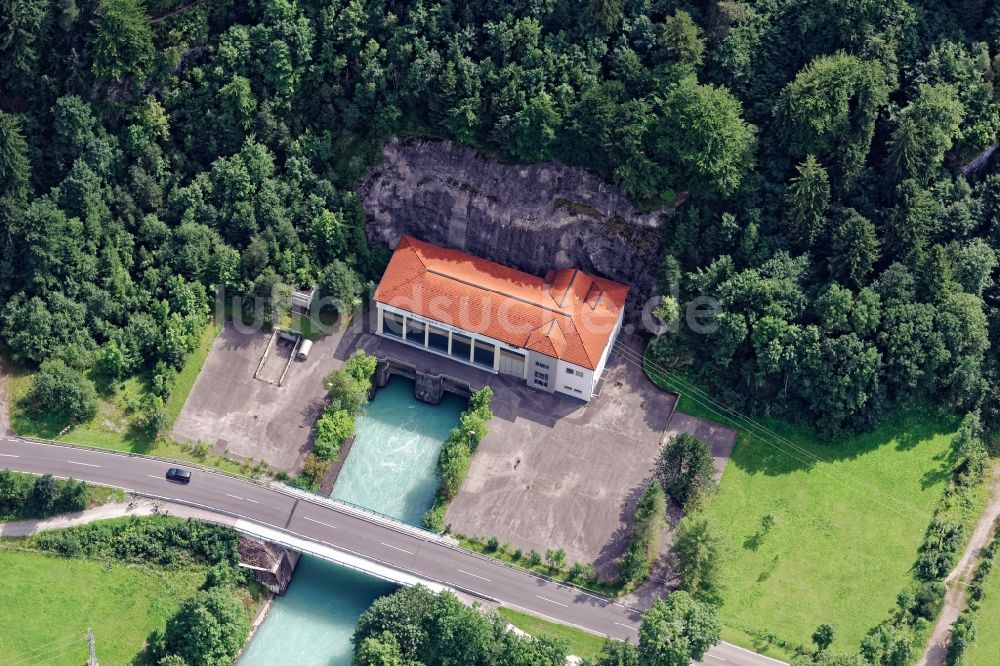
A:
[154,476]
[9,455]
[755,654]
[243,499]
[396,548]
[313,520]
[73,462]
[627,626]
[551,601]
[473,575]
[712,656]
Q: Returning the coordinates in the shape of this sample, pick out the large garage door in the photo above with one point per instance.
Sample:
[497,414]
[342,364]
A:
[511,363]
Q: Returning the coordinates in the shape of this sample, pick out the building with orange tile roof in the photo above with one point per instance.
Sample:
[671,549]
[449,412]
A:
[555,333]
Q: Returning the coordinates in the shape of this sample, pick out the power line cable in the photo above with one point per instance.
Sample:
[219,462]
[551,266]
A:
[41,650]
[689,389]
[754,428]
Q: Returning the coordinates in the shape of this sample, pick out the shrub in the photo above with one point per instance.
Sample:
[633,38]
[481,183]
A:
[165,541]
[555,558]
[162,380]
[361,366]
[938,551]
[928,600]
[969,455]
[696,551]
[650,517]
[209,628]
[14,489]
[152,417]
[456,452]
[685,469]
[24,496]
[62,391]
[314,468]
[73,496]
[43,495]
[333,428]
[534,558]
[492,544]
[434,518]
[963,635]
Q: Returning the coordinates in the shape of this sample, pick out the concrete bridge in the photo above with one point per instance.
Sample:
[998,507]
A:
[349,536]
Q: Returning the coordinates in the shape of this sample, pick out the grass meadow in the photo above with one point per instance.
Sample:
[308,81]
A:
[47,603]
[847,521]
[986,647]
[580,643]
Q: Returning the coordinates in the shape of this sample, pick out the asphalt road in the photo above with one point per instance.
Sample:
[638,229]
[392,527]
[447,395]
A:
[346,530]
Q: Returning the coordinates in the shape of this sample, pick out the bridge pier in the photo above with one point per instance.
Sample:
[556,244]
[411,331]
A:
[272,564]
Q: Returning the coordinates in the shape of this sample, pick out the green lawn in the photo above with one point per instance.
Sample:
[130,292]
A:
[839,552]
[184,381]
[987,646]
[110,428]
[47,603]
[581,643]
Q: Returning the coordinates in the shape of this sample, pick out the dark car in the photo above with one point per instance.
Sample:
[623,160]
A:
[179,475]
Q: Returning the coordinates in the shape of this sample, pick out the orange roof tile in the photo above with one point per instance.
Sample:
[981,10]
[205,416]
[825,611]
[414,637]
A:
[569,315]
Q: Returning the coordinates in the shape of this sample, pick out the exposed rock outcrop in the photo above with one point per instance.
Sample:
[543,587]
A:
[533,217]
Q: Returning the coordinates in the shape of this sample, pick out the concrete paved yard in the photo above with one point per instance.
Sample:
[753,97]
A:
[555,473]
[250,418]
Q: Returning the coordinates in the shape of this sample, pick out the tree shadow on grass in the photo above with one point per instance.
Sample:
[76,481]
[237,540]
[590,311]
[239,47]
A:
[790,448]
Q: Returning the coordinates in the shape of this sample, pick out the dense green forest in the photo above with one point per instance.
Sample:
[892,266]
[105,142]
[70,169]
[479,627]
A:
[813,149]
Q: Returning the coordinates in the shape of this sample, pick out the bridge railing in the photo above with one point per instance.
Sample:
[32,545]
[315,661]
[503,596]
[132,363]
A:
[362,512]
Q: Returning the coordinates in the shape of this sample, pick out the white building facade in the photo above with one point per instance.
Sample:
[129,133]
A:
[555,336]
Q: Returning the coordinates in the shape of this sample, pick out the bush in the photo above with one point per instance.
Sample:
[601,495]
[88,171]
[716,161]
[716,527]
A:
[685,469]
[650,517]
[162,380]
[152,417]
[534,558]
[928,600]
[62,391]
[456,452]
[73,496]
[434,518]
[42,499]
[555,558]
[164,541]
[314,468]
[208,629]
[417,626]
[25,496]
[333,428]
[492,544]
[963,635]
[938,551]
[696,551]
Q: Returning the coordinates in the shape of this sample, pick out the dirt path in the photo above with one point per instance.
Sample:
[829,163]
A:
[138,507]
[960,576]
[4,400]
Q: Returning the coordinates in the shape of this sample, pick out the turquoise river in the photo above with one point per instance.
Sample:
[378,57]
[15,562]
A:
[390,469]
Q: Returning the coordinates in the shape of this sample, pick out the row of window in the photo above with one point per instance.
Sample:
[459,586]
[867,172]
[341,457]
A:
[428,335]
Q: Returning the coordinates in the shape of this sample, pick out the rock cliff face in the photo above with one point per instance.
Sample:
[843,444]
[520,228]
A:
[534,217]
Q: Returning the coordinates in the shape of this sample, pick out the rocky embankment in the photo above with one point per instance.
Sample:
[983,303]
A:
[534,217]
